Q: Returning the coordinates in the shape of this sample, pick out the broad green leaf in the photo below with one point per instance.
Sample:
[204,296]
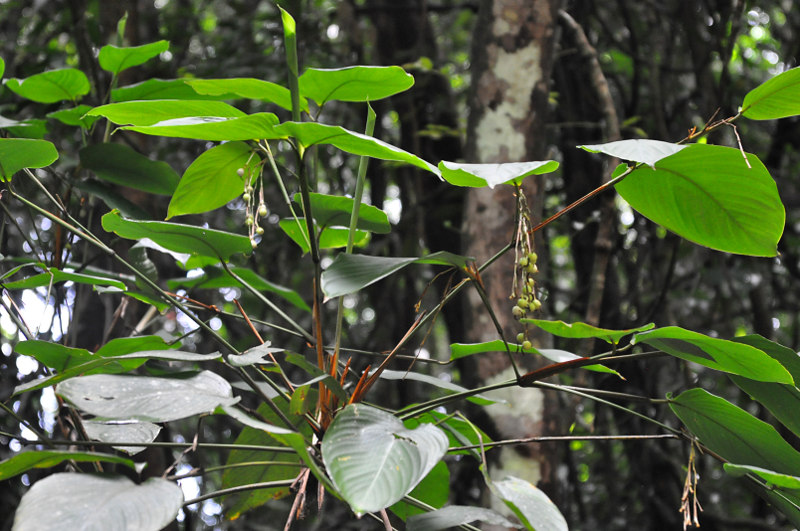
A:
[120,164]
[196,241]
[158,89]
[770,476]
[782,400]
[2,67]
[216,277]
[373,460]
[351,272]
[778,97]
[733,433]
[319,375]
[247,420]
[582,330]
[87,501]
[708,195]
[719,354]
[462,350]
[212,179]
[529,504]
[112,197]
[115,59]
[354,83]
[51,86]
[146,398]
[18,153]
[151,112]
[263,465]
[434,490]
[329,238]
[480,175]
[125,431]
[459,432]
[24,461]
[456,515]
[54,276]
[246,87]
[310,133]
[637,150]
[111,365]
[75,116]
[215,129]
[436,382]
[334,211]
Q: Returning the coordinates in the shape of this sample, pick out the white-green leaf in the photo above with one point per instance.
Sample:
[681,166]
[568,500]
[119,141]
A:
[437,382]
[253,356]
[373,460]
[786,481]
[455,515]
[637,150]
[122,431]
[146,398]
[480,175]
[111,503]
[531,505]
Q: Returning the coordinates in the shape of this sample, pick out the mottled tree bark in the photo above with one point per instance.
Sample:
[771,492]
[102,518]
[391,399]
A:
[512,61]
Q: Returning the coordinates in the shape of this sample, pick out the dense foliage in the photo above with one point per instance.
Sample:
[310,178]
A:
[244,352]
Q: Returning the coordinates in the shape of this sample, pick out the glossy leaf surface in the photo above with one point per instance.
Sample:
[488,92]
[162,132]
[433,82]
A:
[354,83]
[580,330]
[246,87]
[23,461]
[51,86]
[18,153]
[146,113]
[115,59]
[778,97]
[641,150]
[120,164]
[480,175]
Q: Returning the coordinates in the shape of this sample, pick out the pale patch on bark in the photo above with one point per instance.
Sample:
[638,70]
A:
[499,136]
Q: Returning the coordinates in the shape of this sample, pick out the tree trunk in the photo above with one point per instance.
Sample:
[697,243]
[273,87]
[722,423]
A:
[512,60]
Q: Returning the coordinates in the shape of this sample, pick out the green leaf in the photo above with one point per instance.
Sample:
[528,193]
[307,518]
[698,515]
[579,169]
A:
[18,153]
[158,89]
[637,150]
[146,398]
[310,133]
[264,465]
[212,179]
[334,211]
[354,83]
[86,501]
[582,330]
[196,241]
[456,515]
[770,476]
[246,87]
[253,356]
[330,382]
[462,350]
[778,97]
[480,175]
[2,67]
[734,434]
[531,505]
[434,490]
[388,374]
[75,116]
[54,276]
[112,197]
[708,195]
[719,354]
[109,365]
[247,420]
[51,86]
[125,431]
[120,164]
[329,238]
[459,432]
[115,59]
[373,460]
[214,129]
[24,461]
[151,112]
[351,272]
[782,400]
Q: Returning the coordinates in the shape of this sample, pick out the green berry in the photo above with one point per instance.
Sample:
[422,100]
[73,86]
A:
[522,303]
[523,261]
[262,210]
[536,304]
[526,345]
[517,312]
[520,337]
[246,197]
[533,257]
[259,230]
[253,243]
[531,268]
[248,221]
[240,172]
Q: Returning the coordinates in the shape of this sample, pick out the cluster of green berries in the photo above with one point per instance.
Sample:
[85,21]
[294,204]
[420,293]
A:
[253,212]
[527,301]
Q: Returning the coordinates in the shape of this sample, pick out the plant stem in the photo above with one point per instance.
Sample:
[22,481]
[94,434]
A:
[241,488]
[555,438]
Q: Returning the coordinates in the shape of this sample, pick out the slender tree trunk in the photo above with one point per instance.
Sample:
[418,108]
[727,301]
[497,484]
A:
[512,60]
